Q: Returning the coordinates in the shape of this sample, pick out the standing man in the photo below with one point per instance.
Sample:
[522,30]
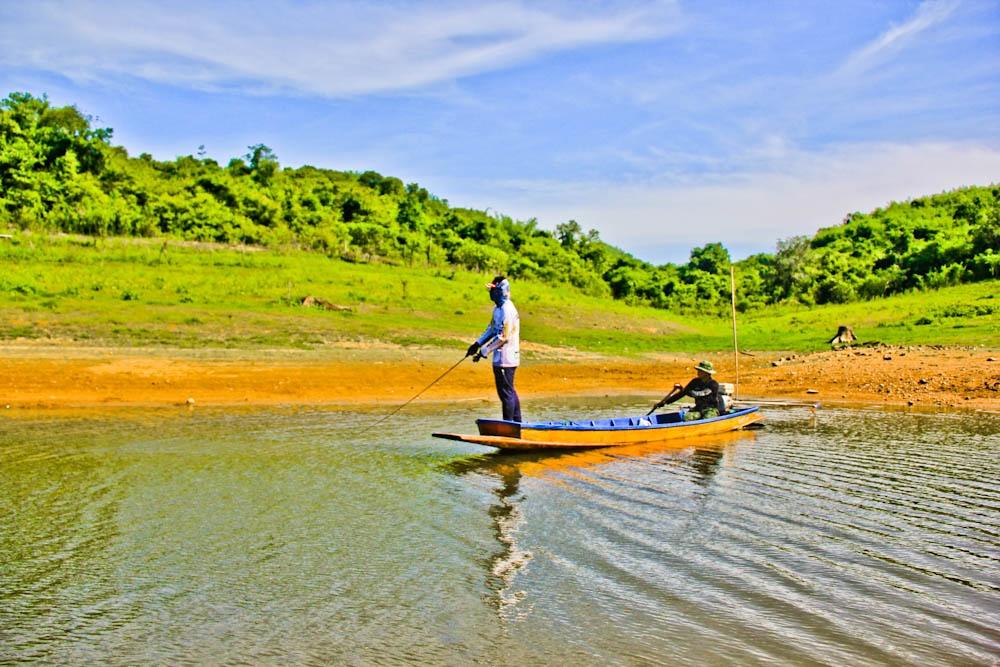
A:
[503,338]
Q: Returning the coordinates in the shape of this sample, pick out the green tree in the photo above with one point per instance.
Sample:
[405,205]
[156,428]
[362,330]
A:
[263,163]
[568,233]
[791,268]
[712,258]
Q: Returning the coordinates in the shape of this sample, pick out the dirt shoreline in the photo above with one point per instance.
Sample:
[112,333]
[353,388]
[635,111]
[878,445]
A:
[45,377]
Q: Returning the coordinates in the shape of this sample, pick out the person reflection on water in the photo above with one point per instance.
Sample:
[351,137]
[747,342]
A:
[503,338]
[703,389]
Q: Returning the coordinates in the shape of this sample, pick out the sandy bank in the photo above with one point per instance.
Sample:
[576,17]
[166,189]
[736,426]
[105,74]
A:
[33,376]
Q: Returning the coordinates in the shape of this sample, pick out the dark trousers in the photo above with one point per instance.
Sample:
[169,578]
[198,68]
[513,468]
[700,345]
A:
[505,390]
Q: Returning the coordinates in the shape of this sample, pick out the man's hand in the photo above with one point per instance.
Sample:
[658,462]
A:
[473,349]
[678,387]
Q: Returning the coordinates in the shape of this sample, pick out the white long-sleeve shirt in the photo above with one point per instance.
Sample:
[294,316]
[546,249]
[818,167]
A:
[507,324]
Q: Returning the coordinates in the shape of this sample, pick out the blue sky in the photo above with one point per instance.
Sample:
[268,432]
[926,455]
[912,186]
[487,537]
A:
[663,125]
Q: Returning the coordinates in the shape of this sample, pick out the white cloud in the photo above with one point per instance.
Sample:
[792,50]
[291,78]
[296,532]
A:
[752,210]
[929,14]
[330,49]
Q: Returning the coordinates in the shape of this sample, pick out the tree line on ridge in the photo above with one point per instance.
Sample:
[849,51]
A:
[58,173]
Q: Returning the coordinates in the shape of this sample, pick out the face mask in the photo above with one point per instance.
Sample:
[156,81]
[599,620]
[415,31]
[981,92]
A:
[499,292]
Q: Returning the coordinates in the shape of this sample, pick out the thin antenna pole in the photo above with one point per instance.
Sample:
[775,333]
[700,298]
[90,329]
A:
[736,349]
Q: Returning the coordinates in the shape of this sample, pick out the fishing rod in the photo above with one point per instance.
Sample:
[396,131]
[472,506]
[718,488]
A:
[439,378]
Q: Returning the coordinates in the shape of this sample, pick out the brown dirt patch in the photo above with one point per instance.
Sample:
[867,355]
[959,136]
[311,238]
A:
[48,377]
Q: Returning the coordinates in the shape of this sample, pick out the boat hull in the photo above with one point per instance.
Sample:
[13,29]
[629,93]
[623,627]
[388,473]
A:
[601,433]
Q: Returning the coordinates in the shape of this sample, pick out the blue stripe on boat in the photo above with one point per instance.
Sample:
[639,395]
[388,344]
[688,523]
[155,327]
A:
[673,419]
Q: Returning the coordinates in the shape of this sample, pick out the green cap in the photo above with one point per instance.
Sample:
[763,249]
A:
[705,366]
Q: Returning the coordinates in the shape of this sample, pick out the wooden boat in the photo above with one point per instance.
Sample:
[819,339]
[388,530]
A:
[613,432]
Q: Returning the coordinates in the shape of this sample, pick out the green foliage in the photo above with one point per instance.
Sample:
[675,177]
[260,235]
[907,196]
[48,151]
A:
[926,243]
[151,292]
[58,173]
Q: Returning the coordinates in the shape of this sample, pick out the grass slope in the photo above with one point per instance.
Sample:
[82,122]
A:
[142,292]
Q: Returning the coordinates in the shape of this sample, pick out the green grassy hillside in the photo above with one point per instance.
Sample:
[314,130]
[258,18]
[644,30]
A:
[58,173]
[145,292]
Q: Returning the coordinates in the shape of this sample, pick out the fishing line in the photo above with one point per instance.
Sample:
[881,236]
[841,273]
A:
[440,377]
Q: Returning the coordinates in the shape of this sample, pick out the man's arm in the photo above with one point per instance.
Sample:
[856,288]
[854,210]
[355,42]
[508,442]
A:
[492,330]
[675,394]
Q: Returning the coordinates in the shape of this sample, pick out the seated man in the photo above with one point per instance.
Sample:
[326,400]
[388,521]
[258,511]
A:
[703,389]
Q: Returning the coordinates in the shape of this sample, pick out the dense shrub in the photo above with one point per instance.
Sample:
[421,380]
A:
[58,173]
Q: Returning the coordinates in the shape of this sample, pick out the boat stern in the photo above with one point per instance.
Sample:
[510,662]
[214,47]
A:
[499,427]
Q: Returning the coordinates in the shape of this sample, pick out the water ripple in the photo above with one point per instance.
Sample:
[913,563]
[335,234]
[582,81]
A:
[294,536]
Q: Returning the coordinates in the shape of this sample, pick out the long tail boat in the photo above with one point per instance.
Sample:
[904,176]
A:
[612,432]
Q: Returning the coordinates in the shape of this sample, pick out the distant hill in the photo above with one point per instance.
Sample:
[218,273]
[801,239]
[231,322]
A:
[59,173]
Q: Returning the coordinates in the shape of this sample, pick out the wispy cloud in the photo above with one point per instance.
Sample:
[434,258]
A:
[930,13]
[752,210]
[331,49]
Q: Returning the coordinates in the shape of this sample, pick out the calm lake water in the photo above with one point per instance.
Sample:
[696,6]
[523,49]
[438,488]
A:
[851,537]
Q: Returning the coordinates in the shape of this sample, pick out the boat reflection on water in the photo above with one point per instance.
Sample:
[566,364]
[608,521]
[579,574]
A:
[698,459]
[702,454]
